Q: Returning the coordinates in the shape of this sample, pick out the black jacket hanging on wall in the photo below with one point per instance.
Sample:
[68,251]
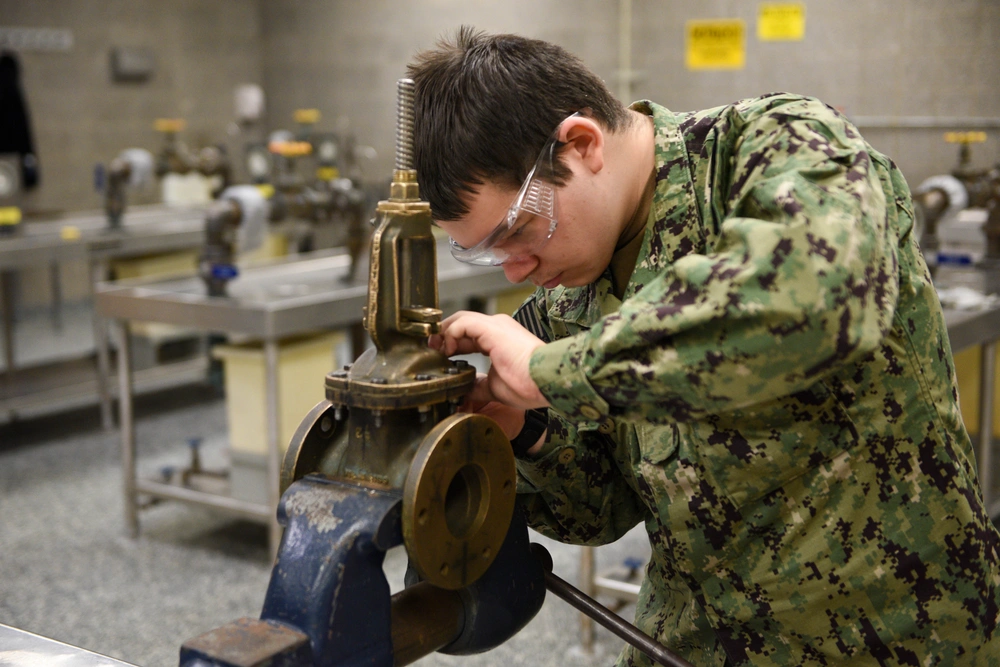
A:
[15,128]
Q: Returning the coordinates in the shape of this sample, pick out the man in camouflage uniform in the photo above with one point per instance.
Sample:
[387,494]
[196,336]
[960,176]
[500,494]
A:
[736,341]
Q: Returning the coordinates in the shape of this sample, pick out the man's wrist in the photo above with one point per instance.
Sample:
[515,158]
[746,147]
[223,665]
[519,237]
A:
[535,424]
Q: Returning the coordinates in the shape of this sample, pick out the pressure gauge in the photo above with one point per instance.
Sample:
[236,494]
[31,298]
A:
[325,149]
[10,181]
[258,162]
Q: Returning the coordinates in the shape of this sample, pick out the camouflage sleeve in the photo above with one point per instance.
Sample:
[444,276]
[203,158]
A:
[573,490]
[801,280]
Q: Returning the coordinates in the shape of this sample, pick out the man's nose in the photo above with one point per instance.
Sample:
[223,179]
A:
[518,269]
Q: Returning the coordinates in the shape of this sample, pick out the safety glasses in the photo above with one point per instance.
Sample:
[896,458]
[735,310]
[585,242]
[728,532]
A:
[530,221]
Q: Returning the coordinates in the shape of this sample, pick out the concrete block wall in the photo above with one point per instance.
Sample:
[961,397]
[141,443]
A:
[80,116]
[345,57]
[868,57]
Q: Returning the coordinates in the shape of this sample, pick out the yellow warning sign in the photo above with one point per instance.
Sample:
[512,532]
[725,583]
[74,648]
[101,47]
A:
[717,44]
[781,21]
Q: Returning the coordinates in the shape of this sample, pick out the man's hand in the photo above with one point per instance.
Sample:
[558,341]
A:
[511,420]
[509,347]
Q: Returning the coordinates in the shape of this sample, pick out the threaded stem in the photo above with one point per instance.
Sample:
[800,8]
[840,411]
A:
[404,124]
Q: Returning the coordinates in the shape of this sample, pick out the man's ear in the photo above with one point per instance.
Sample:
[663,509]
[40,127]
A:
[584,141]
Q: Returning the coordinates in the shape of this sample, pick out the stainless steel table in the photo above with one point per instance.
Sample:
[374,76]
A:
[86,237]
[145,229]
[967,328]
[19,648]
[269,302]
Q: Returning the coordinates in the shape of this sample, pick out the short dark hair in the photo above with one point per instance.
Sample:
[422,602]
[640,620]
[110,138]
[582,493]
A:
[484,107]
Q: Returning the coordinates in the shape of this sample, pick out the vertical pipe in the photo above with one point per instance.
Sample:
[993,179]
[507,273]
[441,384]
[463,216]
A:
[55,278]
[7,298]
[98,272]
[625,51]
[986,390]
[273,413]
[127,425]
[7,315]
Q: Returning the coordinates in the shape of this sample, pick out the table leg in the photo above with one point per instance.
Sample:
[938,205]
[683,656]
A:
[98,274]
[273,442]
[587,586]
[55,278]
[986,389]
[7,305]
[127,425]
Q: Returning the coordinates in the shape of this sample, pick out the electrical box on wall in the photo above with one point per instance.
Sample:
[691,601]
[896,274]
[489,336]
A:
[132,64]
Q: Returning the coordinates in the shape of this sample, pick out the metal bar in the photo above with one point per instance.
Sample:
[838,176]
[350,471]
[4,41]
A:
[273,412]
[613,622]
[424,619]
[184,494]
[127,426]
[986,389]
[923,122]
[98,272]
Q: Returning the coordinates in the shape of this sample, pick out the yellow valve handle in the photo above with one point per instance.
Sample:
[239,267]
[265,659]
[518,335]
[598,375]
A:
[167,125]
[306,116]
[290,148]
[266,189]
[69,233]
[10,215]
[327,173]
[965,137]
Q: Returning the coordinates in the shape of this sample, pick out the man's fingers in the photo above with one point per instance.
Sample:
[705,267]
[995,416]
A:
[481,393]
[469,333]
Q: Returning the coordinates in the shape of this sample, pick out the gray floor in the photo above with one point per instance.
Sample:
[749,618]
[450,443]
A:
[68,572]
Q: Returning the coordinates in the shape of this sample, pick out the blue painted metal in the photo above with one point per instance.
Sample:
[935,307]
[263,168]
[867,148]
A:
[224,271]
[328,581]
[329,604]
[508,595]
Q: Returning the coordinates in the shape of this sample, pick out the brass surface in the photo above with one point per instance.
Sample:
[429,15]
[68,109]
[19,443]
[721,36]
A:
[424,619]
[390,421]
[313,440]
[458,500]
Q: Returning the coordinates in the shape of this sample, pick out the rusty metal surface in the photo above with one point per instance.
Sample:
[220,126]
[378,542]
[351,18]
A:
[248,642]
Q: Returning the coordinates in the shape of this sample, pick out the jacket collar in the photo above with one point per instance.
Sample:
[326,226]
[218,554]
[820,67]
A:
[673,229]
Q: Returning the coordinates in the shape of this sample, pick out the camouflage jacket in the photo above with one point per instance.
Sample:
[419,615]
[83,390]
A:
[775,399]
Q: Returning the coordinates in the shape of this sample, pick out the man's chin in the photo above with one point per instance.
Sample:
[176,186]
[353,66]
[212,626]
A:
[548,284]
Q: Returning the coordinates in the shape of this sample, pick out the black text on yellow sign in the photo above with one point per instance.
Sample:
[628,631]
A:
[716,44]
[781,21]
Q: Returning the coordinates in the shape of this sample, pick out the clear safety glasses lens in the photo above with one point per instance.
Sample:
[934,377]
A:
[530,222]
[531,219]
